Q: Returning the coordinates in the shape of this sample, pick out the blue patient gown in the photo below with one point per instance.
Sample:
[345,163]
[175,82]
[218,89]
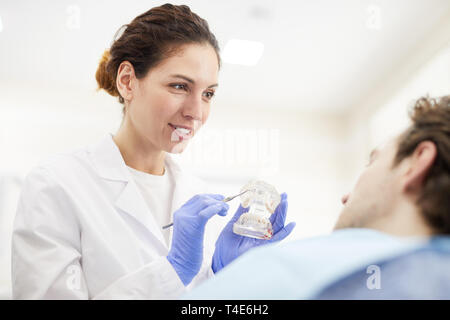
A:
[305,269]
[421,274]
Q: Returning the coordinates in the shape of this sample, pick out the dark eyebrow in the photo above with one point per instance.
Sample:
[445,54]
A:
[190,80]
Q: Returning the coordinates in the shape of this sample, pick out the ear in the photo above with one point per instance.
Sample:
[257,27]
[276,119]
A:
[124,80]
[419,165]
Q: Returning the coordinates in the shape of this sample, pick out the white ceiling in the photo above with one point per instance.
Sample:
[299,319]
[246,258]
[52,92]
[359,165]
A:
[319,55]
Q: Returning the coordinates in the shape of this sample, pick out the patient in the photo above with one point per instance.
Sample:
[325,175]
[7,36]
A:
[392,238]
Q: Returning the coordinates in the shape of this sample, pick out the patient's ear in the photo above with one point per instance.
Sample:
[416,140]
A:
[419,165]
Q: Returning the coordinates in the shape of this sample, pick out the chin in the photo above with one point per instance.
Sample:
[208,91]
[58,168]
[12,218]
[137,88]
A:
[177,149]
[339,225]
[345,220]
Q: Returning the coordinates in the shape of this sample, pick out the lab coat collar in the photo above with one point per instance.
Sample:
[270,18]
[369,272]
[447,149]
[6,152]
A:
[110,165]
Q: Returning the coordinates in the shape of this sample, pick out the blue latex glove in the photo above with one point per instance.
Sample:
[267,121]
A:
[229,245]
[186,252]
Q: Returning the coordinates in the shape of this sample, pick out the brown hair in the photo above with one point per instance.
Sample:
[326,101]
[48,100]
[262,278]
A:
[431,122]
[150,38]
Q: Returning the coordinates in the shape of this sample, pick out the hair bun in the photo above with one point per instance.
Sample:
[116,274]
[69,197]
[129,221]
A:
[105,79]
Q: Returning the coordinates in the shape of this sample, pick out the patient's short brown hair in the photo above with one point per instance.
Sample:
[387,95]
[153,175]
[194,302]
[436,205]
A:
[431,122]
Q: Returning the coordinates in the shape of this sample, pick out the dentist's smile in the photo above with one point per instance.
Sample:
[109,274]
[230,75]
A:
[180,132]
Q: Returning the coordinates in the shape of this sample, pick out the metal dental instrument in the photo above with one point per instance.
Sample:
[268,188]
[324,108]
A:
[232,197]
[224,200]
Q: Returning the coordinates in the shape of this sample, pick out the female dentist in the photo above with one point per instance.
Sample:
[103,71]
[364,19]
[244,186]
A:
[89,222]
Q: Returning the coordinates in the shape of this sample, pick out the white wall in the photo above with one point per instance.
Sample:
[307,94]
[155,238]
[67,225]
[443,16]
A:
[432,79]
[384,113]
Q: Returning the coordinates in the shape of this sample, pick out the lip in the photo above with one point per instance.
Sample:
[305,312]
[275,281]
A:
[180,126]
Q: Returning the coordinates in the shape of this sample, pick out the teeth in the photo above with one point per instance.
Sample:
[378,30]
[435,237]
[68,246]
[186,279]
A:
[183,130]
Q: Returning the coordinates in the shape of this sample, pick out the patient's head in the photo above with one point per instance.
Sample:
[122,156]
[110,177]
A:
[405,189]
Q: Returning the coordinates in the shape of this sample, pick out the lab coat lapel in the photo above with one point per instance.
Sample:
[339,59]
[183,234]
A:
[132,202]
[111,166]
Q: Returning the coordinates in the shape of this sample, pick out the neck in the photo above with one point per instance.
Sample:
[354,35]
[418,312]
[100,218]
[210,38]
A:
[405,220]
[137,151]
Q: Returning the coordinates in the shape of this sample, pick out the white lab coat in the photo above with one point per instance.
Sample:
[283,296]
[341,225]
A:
[83,231]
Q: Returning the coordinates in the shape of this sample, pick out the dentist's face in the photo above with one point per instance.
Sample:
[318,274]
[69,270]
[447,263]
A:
[176,93]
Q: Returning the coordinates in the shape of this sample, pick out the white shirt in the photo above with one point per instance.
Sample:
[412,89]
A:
[158,193]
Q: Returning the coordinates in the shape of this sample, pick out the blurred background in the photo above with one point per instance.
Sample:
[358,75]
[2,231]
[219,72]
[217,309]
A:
[307,89]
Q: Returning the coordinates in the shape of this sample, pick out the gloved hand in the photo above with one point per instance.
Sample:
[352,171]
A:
[229,245]
[186,252]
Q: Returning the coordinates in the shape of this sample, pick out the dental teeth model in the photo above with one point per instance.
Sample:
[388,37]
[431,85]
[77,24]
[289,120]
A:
[263,199]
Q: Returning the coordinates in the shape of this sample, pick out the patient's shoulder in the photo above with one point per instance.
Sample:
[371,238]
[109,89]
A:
[421,274]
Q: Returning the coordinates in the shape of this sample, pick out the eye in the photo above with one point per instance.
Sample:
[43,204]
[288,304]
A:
[209,94]
[179,86]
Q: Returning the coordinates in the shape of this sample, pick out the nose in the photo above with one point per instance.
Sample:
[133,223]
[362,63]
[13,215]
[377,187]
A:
[344,198]
[193,108]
